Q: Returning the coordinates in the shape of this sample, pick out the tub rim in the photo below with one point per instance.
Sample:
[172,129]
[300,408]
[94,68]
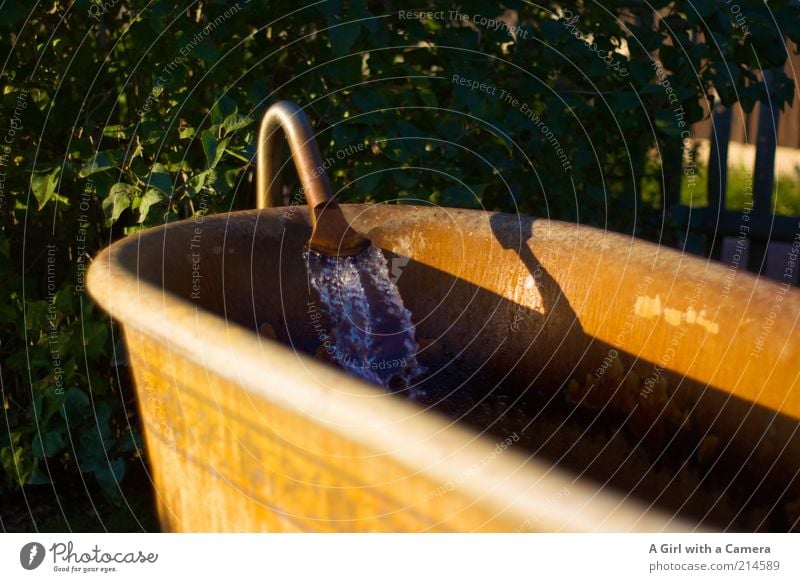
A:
[143,307]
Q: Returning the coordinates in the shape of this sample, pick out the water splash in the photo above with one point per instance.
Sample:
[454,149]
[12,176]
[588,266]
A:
[374,336]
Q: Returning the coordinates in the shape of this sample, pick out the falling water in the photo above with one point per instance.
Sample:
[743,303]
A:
[374,336]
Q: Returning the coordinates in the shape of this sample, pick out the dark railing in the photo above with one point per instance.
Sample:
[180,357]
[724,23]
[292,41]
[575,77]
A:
[753,238]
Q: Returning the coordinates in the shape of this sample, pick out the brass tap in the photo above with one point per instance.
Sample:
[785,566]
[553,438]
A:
[330,232]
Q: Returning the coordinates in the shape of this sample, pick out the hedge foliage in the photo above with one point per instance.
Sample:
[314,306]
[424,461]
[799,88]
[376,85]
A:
[118,115]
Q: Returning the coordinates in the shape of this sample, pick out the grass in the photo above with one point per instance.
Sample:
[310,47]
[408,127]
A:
[785,193]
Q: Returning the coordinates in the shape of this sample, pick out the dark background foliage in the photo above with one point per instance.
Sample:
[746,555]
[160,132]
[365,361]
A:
[129,114]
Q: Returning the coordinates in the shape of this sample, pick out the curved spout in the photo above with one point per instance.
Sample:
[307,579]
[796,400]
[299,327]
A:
[330,232]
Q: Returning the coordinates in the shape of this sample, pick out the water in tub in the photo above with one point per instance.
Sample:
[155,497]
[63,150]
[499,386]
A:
[374,337]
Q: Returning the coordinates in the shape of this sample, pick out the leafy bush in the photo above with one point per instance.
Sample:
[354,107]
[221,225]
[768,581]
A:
[120,115]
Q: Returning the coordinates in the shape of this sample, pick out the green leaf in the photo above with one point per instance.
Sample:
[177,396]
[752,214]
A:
[200,181]
[342,36]
[460,197]
[15,463]
[367,179]
[671,58]
[102,418]
[405,178]
[44,185]
[330,8]
[667,123]
[150,198]
[118,200]
[93,447]
[129,442]
[90,449]
[116,131]
[53,443]
[625,100]
[39,477]
[100,162]
[597,193]
[235,122]
[160,179]
[213,148]
[94,337]
[223,108]
[76,405]
[705,8]
[11,14]
[46,404]
[109,475]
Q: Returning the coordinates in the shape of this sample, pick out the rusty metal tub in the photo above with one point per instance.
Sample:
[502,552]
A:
[244,433]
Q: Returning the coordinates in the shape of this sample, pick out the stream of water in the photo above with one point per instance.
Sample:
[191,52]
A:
[374,336]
